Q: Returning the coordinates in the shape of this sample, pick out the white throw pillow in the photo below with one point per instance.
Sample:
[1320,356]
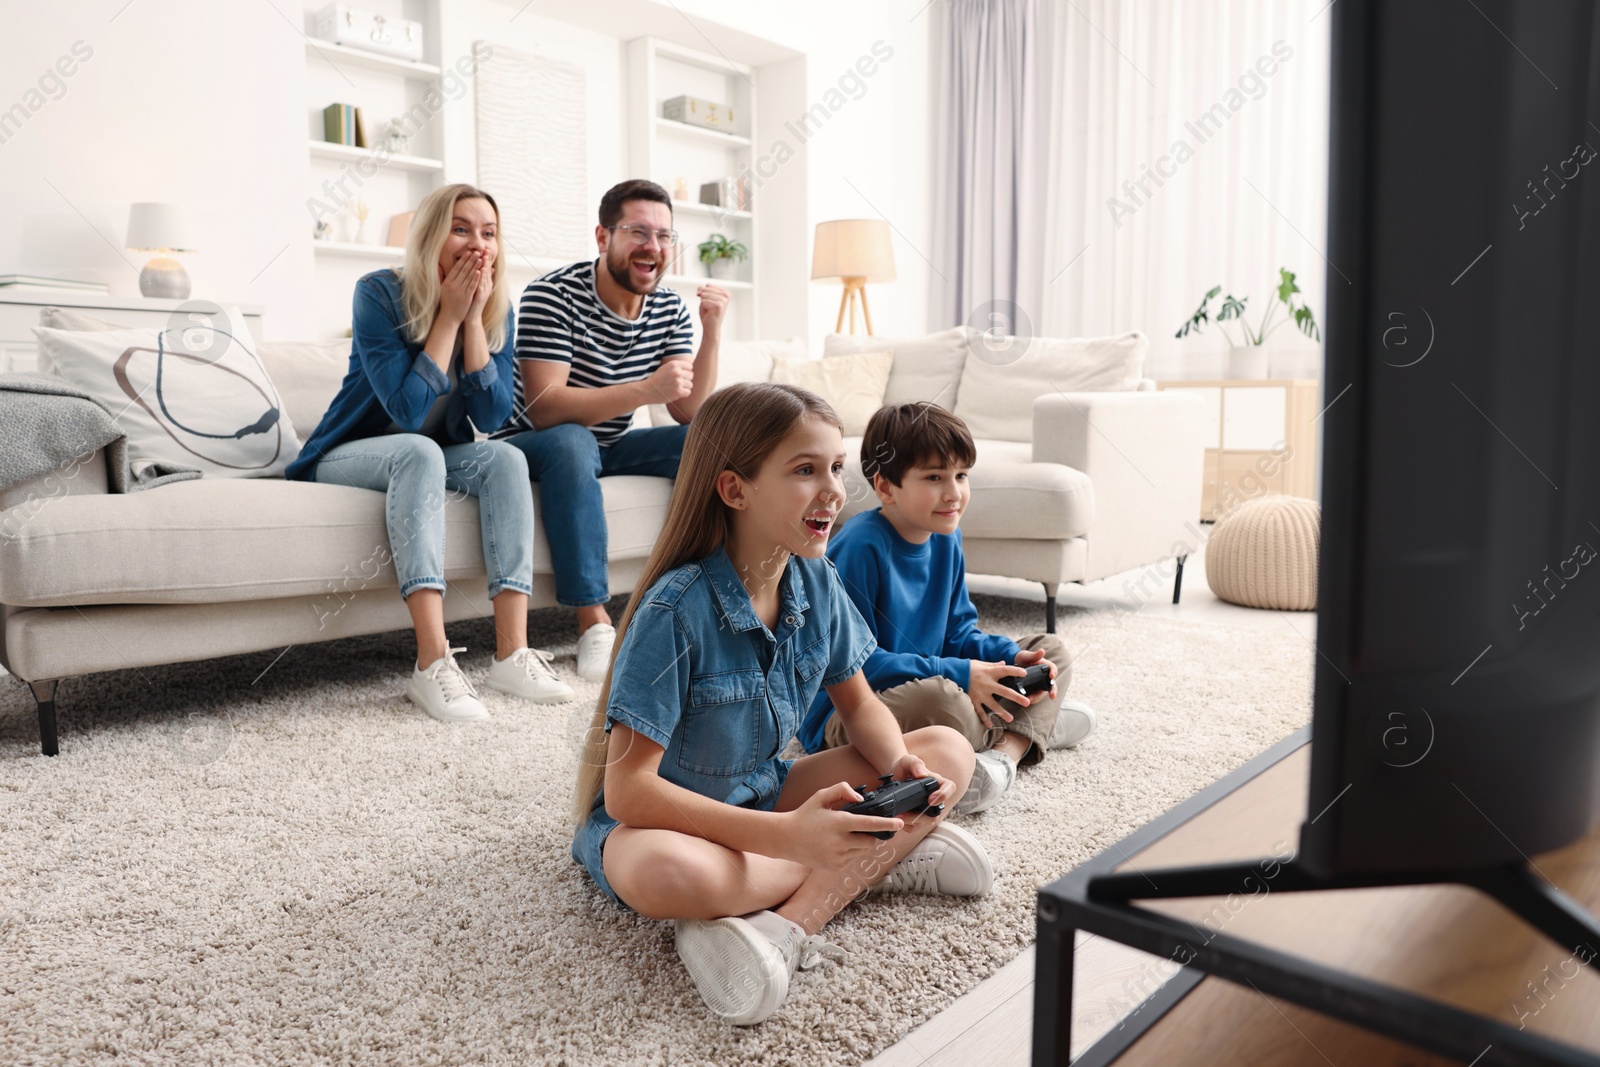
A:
[308,375]
[1005,375]
[852,384]
[194,395]
[925,368]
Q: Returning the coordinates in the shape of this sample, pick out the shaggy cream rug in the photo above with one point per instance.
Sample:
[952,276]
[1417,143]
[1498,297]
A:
[259,861]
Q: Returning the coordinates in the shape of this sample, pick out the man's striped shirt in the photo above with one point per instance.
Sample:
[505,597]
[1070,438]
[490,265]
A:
[562,319]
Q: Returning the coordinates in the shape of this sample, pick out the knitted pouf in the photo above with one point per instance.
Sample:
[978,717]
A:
[1263,554]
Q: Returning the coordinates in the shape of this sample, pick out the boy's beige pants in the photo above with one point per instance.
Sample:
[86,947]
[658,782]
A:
[941,702]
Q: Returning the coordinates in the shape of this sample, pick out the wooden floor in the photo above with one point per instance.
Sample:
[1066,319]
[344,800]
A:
[1448,943]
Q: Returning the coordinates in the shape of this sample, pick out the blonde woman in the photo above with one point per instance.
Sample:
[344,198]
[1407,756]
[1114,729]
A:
[684,808]
[430,360]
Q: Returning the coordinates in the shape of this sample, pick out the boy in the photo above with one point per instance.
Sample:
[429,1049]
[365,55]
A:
[903,566]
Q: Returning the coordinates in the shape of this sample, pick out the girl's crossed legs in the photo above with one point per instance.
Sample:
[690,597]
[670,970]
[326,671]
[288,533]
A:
[663,874]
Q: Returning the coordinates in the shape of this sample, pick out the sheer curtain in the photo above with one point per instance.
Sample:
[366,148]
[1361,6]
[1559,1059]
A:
[989,173]
[1174,145]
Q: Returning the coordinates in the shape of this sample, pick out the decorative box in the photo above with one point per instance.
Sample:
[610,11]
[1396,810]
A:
[697,112]
[355,27]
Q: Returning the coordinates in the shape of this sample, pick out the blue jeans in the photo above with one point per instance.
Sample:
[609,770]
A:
[415,473]
[568,464]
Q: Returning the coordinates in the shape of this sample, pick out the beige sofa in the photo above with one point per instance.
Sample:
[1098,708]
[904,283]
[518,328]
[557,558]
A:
[1082,485]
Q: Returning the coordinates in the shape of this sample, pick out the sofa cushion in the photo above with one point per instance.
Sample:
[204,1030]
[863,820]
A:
[229,539]
[925,368]
[1012,496]
[1004,375]
[852,385]
[740,361]
[308,375]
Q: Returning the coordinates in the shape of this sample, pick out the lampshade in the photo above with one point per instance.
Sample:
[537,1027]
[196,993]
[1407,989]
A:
[158,228]
[853,248]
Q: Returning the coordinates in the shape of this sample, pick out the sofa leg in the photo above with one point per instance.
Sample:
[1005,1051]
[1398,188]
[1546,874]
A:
[44,693]
[1049,608]
[1177,583]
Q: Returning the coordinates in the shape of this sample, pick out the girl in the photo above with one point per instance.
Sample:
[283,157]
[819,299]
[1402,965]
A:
[430,360]
[684,809]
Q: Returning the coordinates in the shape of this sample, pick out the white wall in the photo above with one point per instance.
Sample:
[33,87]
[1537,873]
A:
[207,105]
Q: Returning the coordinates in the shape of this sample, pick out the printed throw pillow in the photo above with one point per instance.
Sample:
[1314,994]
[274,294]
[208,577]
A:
[193,394]
[853,384]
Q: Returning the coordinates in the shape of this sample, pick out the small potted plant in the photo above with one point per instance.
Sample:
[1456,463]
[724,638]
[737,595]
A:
[1248,359]
[719,254]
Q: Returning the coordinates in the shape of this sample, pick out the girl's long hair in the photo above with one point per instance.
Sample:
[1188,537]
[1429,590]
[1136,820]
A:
[419,281]
[735,429]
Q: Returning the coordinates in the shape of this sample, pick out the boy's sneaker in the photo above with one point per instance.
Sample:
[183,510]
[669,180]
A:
[742,969]
[527,673]
[993,774]
[949,862]
[594,651]
[1074,722]
[441,690]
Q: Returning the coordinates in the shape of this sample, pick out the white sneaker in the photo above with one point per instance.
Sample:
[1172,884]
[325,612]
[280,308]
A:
[949,862]
[527,673]
[993,774]
[1074,722]
[740,973]
[441,690]
[594,651]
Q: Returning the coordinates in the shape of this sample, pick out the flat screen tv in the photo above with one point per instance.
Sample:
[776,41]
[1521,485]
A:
[1456,718]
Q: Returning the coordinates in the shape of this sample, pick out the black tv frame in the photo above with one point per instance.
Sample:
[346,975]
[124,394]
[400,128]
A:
[1439,847]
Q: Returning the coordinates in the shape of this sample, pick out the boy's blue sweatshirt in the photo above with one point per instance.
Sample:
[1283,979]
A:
[914,598]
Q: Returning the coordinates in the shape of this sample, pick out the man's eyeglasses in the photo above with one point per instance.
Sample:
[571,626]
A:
[639,236]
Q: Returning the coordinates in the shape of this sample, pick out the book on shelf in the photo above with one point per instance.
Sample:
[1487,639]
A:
[33,281]
[340,125]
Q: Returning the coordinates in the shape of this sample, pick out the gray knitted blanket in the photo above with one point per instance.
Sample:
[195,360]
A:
[47,423]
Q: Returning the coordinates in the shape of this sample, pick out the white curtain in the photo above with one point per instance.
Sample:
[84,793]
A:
[1100,247]
[989,173]
[1130,83]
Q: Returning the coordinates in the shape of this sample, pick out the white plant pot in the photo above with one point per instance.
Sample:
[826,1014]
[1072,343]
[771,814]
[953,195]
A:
[723,269]
[1248,362]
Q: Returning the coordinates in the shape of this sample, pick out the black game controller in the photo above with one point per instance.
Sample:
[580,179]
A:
[1037,680]
[893,798]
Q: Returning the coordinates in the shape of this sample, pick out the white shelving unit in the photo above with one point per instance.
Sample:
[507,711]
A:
[339,57]
[665,150]
[674,128]
[349,154]
[352,250]
[383,88]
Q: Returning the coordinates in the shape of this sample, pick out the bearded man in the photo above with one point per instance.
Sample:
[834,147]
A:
[595,341]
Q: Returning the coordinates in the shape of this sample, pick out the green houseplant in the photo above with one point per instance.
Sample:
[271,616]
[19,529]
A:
[1248,358]
[719,253]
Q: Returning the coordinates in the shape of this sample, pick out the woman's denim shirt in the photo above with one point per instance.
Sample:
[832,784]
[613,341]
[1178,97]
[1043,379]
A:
[700,675]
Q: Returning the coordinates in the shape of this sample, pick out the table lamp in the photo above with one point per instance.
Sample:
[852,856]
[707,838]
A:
[160,228]
[856,251]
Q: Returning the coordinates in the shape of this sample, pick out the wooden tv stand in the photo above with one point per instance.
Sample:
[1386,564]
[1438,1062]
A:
[1449,944]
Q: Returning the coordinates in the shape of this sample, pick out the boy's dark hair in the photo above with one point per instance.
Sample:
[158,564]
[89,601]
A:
[914,435]
[632,189]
